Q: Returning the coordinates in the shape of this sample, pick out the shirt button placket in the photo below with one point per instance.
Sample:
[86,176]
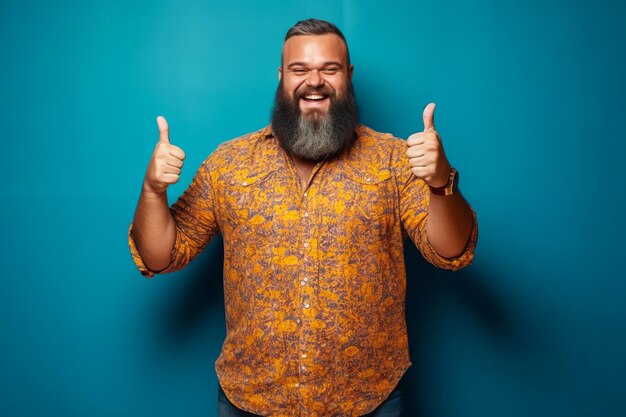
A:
[306,302]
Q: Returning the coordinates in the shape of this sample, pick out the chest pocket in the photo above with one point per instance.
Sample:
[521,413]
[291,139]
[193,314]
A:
[249,200]
[365,203]
[370,194]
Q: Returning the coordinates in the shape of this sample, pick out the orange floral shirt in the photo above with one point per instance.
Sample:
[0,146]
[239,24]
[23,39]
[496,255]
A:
[314,278]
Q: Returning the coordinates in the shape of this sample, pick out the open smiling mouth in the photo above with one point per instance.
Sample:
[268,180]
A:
[314,97]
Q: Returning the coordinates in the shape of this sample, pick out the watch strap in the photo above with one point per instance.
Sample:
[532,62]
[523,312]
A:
[451,187]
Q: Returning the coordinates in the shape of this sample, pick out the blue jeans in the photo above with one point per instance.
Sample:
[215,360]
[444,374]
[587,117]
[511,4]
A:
[393,406]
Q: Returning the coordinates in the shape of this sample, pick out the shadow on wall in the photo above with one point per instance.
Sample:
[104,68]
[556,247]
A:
[428,289]
[201,298]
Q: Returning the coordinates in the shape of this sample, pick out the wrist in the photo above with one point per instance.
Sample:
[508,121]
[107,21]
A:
[149,192]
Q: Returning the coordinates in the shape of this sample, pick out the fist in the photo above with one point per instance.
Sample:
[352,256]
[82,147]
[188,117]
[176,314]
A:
[425,151]
[166,162]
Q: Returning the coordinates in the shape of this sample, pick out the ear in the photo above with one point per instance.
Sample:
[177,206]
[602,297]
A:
[280,73]
[350,71]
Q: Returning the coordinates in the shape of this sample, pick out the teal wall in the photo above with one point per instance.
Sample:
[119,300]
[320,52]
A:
[531,107]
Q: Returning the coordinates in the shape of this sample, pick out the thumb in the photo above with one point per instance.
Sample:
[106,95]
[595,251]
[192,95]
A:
[164,130]
[429,117]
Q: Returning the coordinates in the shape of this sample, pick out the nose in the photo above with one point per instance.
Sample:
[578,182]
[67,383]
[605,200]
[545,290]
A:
[314,79]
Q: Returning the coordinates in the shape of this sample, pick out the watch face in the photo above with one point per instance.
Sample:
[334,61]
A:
[455,181]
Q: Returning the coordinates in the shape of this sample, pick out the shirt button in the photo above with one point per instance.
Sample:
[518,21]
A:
[306,244]
[307,305]
[297,320]
[244,183]
[306,194]
[306,279]
[302,283]
[303,368]
[306,214]
[303,355]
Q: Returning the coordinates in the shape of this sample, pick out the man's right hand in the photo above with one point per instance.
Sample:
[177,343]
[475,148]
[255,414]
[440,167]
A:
[166,163]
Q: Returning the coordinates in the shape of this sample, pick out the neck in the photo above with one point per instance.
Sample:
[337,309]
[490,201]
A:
[304,168]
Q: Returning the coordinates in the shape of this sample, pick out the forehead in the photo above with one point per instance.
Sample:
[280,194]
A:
[313,49]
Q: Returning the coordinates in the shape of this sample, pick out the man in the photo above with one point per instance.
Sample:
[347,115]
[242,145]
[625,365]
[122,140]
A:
[313,210]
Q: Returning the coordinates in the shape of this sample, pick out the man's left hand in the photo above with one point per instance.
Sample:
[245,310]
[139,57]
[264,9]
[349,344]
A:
[425,152]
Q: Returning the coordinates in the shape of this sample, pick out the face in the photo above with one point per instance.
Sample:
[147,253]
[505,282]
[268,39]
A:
[315,113]
[315,72]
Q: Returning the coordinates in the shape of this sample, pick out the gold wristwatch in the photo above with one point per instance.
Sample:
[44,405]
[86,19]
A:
[451,187]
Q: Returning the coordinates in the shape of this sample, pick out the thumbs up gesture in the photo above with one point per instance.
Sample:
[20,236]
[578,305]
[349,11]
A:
[166,162]
[425,152]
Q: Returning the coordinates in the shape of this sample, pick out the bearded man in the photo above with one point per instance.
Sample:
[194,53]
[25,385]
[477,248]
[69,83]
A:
[313,211]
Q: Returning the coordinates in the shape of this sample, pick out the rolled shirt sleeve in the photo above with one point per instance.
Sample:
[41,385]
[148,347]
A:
[195,220]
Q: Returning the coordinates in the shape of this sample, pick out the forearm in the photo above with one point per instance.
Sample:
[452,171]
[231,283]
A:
[154,230]
[449,224]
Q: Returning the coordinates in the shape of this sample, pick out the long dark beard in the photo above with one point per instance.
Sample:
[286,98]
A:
[315,136]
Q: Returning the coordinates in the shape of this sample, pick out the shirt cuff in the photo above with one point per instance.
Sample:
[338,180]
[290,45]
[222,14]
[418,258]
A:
[145,271]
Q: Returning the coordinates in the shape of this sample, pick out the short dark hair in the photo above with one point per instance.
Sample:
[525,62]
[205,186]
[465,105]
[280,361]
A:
[314,26]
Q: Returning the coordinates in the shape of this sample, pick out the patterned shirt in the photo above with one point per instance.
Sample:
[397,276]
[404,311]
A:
[314,278]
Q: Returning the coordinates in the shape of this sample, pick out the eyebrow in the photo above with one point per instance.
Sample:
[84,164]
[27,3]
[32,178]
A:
[304,64]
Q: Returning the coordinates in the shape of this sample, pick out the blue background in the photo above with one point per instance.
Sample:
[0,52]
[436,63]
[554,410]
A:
[531,109]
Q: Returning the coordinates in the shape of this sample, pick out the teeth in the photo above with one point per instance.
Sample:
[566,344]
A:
[314,97]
